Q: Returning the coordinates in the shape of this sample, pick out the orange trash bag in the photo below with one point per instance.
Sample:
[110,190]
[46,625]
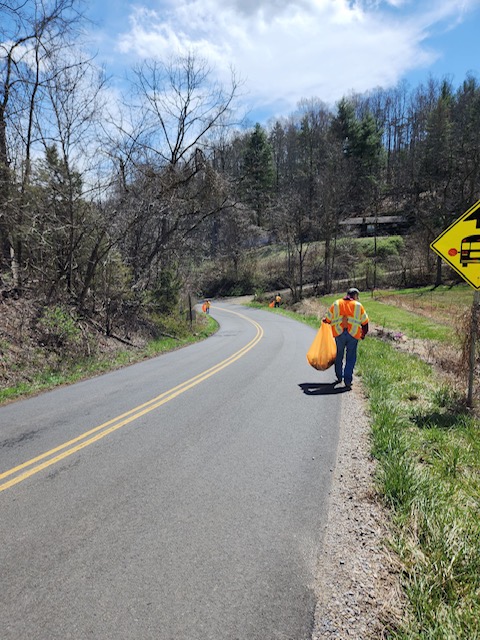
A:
[272,304]
[323,349]
[204,307]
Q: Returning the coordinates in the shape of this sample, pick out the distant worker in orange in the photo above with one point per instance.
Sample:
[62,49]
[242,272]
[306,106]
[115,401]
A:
[278,300]
[349,322]
[207,307]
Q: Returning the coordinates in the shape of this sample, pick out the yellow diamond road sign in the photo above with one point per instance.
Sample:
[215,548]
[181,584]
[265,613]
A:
[459,245]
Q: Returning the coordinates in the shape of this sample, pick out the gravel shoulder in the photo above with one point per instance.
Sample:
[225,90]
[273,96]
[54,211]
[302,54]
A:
[358,579]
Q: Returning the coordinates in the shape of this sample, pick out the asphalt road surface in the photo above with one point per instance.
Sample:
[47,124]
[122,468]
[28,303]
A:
[183,498]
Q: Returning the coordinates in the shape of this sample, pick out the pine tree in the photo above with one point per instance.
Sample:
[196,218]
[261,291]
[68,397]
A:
[258,178]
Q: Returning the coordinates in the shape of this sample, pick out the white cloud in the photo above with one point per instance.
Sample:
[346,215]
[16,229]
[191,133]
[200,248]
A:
[287,50]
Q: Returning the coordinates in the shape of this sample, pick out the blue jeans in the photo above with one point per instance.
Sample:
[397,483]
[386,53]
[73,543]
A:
[345,343]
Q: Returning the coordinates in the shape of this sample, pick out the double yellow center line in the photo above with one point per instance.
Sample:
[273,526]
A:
[62,451]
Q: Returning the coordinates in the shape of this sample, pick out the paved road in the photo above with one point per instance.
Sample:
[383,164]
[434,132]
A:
[183,498]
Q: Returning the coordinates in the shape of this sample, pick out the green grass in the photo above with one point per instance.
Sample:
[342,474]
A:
[406,322]
[428,452]
[443,298]
[73,372]
[312,321]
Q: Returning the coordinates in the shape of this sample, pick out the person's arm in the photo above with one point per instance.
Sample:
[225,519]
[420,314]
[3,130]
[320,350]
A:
[328,316]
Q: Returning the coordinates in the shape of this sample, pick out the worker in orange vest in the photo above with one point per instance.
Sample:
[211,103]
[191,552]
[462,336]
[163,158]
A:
[349,322]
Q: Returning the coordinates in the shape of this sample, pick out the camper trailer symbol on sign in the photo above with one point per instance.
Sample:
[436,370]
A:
[459,245]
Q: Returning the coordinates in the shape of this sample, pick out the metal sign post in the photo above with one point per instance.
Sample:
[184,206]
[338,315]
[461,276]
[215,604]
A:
[473,339]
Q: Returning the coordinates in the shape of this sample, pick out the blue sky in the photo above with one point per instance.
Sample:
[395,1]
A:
[285,51]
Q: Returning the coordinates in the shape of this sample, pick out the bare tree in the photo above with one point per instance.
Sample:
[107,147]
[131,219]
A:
[181,107]
[167,184]
[33,31]
[74,89]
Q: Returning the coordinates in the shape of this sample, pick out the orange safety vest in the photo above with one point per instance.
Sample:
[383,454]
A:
[347,314]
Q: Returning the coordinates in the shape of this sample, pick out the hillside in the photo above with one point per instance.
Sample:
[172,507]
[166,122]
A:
[41,347]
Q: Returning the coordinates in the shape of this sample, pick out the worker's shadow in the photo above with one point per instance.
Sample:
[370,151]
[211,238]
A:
[321,388]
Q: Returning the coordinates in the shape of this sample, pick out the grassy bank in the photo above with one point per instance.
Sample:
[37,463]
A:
[428,450]
[74,371]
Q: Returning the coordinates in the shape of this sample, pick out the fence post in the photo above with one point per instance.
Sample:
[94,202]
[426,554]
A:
[190,313]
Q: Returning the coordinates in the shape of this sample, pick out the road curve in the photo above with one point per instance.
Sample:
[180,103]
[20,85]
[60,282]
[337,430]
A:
[183,498]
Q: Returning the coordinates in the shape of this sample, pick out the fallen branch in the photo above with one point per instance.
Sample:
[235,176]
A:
[111,335]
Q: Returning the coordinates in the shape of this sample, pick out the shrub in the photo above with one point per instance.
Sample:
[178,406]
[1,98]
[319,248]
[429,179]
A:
[58,328]
[388,246]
